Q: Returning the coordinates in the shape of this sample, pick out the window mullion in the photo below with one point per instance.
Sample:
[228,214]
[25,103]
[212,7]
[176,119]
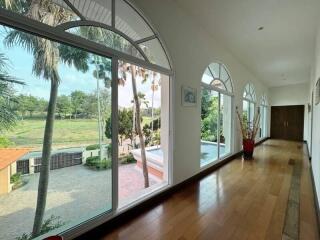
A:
[115,131]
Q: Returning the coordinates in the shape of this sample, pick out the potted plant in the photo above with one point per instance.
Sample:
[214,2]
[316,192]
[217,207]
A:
[249,131]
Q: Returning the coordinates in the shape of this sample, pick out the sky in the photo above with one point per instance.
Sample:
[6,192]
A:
[21,61]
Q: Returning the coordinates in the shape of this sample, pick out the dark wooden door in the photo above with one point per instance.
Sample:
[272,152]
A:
[287,122]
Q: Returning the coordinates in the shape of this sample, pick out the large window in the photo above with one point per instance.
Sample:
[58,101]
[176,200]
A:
[264,117]
[249,101]
[216,114]
[90,131]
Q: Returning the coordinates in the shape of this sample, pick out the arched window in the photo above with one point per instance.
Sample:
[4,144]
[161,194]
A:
[109,21]
[249,101]
[111,69]
[217,76]
[216,114]
[264,116]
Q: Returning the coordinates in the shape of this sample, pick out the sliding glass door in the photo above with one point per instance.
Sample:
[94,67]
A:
[216,114]
[143,147]
[60,168]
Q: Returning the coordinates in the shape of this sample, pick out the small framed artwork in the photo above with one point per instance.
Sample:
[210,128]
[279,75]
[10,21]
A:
[317,93]
[188,96]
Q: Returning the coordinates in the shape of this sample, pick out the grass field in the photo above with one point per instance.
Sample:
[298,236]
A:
[67,133]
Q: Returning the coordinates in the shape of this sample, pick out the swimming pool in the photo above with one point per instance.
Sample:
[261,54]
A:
[209,152]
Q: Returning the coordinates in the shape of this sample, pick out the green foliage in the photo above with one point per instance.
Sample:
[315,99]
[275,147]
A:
[92,147]
[209,116]
[64,106]
[96,163]
[125,124]
[77,100]
[15,178]
[147,132]
[48,225]
[109,149]
[5,142]
[127,159]
[7,115]
[108,130]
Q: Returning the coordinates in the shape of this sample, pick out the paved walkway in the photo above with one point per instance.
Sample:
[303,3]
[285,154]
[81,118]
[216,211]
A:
[75,194]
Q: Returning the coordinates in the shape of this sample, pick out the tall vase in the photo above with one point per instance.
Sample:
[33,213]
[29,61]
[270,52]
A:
[248,148]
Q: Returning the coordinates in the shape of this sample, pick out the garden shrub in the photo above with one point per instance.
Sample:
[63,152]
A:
[127,159]
[93,147]
[48,225]
[95,163]
[15,178]
[5,142]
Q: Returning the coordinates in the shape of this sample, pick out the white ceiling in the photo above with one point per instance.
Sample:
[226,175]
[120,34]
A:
[281,53]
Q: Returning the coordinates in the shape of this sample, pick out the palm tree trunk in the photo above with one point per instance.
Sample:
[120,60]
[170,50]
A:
[45,162]
[139,130]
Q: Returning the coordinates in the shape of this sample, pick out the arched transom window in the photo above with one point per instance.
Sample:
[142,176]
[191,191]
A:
[264,101]
[249,93]
[217,75]
[117,28]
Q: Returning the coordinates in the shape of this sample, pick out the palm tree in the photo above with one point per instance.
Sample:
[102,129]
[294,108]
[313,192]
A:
[47,55]
[7,115]
[108,38]
[134,72]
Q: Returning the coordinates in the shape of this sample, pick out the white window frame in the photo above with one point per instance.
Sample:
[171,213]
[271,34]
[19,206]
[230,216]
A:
[58,34]
[229,93]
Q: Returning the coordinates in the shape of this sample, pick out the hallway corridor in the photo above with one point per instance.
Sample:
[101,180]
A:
[241,200]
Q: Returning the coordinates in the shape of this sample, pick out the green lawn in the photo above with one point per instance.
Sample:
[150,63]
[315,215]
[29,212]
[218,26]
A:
[67,133]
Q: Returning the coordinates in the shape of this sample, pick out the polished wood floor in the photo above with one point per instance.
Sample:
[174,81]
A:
[242,200]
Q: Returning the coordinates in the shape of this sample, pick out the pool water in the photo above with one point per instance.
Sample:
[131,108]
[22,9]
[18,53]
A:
[157,151]
[209,152]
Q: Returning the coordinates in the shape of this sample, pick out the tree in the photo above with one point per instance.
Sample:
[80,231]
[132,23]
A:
[31,104]
[132,71]
[78,99]
[64,106]
[7,101]
[47,55]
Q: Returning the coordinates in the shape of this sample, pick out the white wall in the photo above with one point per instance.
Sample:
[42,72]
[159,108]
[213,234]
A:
[297,94]
[315,74]
[192,50]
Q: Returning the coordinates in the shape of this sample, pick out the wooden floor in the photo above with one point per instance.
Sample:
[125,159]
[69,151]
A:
[242,200]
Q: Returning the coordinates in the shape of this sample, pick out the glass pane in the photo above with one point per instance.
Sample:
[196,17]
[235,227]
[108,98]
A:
[207,77]
[51,13]
[130,22]
[106,38]
[215,69]
[265,124]
[252,112]
[229,86]
[155,53]
[224,76]
[143,145]
[80,175]
[245,111]
[261,121]
[97,10]
[225,124]
[209,126]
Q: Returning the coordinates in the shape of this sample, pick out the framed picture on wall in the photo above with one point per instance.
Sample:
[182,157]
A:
[188,96]
[317,93]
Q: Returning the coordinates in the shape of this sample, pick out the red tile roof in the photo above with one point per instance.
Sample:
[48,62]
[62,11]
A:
[10,155]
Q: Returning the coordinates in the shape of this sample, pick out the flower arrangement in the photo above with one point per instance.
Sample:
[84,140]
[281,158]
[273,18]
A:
[249,129]
[249,132]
